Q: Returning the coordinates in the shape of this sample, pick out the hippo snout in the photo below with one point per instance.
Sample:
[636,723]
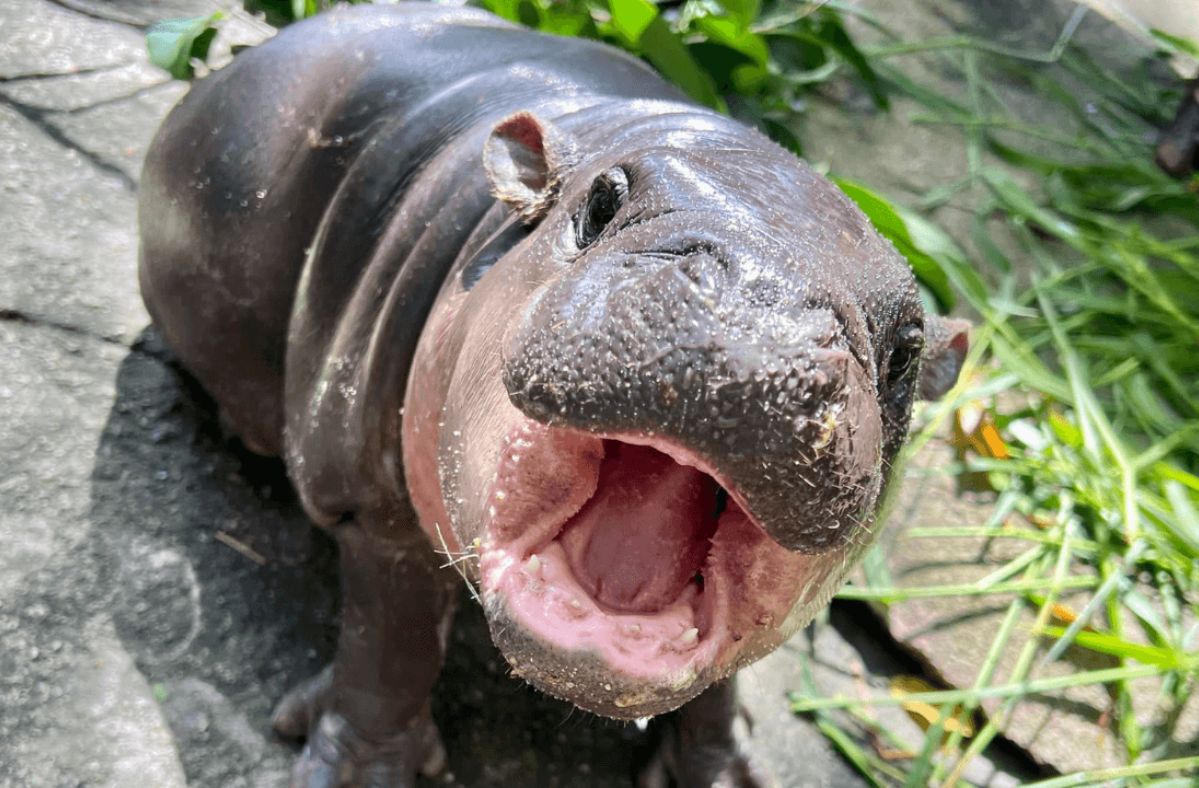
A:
[775,407]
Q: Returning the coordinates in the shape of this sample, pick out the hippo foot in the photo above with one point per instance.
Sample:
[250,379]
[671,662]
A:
[336,754]
[705,744]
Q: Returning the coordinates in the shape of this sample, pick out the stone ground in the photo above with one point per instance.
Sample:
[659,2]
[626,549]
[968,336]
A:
[159,588]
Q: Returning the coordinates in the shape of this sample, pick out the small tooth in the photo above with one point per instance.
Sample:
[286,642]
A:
[533,565]
[689,636]
[575,603]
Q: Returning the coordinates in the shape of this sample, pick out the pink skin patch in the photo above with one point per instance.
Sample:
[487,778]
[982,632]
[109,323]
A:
[629,549]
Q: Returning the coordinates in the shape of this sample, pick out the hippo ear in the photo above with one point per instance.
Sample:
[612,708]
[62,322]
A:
[946,341]
[526,159]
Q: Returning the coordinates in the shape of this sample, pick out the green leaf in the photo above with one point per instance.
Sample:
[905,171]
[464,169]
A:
[1019,202]
[834,33]
[638,23]
[1118,647]
[302,9]
[632,18]
[1176,45]
[725,31]
[887,220]
[173,43]
[743,11]
[1185,524]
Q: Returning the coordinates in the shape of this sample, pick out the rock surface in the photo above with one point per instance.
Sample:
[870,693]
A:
[159,588]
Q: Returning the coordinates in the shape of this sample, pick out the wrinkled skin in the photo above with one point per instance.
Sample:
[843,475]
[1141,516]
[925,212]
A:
[512,298]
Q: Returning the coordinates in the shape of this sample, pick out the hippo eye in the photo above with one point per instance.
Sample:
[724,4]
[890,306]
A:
[909,342]
[607,194]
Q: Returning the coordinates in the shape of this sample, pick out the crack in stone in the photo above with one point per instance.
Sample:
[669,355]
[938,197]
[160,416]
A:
[36,321]
[145,90]
[855,621]
[37,117]
[141,345]
[92,14]
[79,72]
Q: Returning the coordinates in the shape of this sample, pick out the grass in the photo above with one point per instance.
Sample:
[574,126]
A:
[1083,269]
[1088,338]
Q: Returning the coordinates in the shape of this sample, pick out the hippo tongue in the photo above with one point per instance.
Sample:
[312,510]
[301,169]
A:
[645,533]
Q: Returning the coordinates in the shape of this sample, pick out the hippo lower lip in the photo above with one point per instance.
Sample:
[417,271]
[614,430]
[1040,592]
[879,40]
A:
[627,549]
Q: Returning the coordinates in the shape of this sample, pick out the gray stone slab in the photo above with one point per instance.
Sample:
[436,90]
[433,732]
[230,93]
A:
[68,249]
[78,107]
[119,130]
[137,13]
[76,709]
[844,656]
[1070,730]
[41,37]
[901,155]
[75,93]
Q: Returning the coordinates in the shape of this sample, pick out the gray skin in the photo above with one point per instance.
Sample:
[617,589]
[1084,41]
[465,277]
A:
[392,235]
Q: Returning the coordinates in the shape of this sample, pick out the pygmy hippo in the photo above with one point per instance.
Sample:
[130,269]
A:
[510,298]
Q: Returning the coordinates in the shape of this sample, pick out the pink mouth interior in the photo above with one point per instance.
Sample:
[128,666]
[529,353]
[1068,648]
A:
[644,534]
[630,552]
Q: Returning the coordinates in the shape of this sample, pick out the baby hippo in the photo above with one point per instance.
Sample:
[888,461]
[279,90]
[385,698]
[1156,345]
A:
[512,298]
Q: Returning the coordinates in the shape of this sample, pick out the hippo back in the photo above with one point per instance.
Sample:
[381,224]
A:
[313,166]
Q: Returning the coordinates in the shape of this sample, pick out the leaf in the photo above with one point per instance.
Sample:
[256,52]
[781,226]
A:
[725,31]
[1185,524]
[632,18]
[1019,202]
[888,222]
[1176,45]
[1064,429]
[1106,643]
[782,134]
[302,9]
[743,11]
[925,714]
[173,43]
[638,23]
[834,33]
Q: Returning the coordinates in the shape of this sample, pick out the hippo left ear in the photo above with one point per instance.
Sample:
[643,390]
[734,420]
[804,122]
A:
[526,158]
[946,341]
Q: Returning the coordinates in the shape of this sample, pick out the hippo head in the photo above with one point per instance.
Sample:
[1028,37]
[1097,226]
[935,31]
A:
[657,408]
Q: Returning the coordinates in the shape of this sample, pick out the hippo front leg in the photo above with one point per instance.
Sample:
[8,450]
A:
[703,745]
[366,717]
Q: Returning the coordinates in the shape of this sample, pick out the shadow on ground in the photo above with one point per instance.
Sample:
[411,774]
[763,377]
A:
[225,596]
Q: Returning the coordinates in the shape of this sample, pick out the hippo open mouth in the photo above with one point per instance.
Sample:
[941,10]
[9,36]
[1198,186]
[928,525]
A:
[626,549]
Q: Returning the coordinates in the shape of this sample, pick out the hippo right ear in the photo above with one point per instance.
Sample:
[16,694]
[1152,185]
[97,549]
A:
[526,158]
[946,341]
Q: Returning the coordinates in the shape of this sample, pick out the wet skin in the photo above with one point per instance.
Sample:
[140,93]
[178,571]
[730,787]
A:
[512,298]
